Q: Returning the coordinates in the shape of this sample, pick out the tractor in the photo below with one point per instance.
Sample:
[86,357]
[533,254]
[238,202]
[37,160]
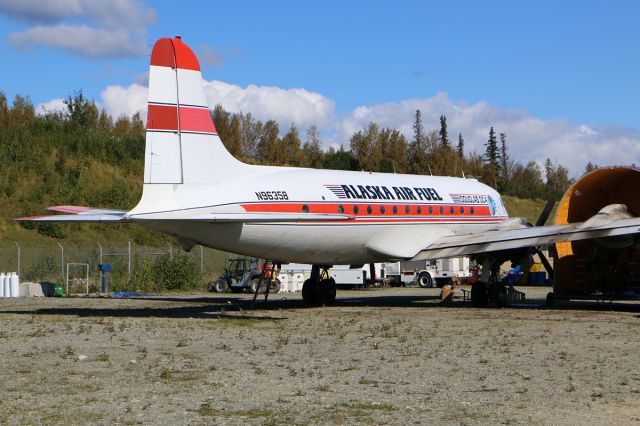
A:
[243,274]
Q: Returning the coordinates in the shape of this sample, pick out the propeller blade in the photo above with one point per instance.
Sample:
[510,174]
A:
[546,212]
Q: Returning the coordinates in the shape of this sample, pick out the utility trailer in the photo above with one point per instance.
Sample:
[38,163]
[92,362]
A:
[428,273]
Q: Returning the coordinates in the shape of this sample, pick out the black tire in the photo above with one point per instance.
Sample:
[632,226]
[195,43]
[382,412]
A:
[425,280]
[275,286]
[253,284]
[479,295]
[221,286]
[310,292]
[328,290]
[551,301]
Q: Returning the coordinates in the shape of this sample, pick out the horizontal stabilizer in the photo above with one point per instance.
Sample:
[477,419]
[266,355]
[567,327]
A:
[78,214]
[81,210]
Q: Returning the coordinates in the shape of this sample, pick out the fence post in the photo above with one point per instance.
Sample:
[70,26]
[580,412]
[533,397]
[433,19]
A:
[201,259]
[61,260]
[129,263]
[18,246]
[170,251]
[100,253]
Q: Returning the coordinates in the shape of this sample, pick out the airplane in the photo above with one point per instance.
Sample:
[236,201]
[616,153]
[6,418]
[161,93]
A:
[196,191]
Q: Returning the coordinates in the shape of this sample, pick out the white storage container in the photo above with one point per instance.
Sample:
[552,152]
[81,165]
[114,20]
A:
[2,284]
[14,281]
[6,282]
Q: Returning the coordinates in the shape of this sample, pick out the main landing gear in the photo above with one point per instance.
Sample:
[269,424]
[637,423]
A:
[488,290]
[320,288]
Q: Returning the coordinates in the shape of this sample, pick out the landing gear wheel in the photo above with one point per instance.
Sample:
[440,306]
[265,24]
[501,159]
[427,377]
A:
[551,301]
[497,295]
[219,286]
[254,284]
[425,280]
[328,289]
[310,292]
[479,295]
[275,286]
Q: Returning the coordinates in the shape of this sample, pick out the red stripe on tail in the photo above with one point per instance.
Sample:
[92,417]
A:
[165,117]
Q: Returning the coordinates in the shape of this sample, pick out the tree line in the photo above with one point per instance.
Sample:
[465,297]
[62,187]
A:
[84,156]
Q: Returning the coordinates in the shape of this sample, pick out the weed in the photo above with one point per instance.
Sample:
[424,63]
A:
[103,357]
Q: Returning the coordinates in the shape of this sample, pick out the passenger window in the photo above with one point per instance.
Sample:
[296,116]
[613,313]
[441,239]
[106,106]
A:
[461,210]
[305,209]
[441,210]
[369,209]
[395,209]
[419,210]
[355,209]
[382,209]
[340,209]
[407,209]
[451,210]
[472,210]
[430,210]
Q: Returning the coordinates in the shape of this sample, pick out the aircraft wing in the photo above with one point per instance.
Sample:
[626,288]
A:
[78,214]
[611,221]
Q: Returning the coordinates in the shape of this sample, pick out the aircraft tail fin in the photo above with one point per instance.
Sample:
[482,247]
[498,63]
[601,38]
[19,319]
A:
[182,145]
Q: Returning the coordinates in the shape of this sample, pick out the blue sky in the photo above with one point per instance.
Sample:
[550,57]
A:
[569,66]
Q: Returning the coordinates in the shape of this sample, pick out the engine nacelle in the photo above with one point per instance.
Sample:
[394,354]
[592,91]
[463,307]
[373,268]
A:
[582,268]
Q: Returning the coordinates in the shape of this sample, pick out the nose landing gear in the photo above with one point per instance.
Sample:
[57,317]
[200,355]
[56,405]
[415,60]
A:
[320,288]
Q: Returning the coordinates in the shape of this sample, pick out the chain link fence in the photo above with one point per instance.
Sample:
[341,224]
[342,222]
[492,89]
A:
[134,267]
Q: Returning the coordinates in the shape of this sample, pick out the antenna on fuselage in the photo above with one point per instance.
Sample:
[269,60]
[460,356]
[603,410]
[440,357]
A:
[430,172]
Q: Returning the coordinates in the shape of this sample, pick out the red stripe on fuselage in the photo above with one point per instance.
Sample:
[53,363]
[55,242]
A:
[415,211]
[165,117]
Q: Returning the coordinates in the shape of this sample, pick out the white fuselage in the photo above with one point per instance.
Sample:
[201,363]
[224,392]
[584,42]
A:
[395,215]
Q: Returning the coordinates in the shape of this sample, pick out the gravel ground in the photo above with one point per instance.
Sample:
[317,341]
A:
[384,356]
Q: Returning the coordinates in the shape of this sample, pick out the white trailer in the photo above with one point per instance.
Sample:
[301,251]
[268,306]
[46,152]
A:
[428,273]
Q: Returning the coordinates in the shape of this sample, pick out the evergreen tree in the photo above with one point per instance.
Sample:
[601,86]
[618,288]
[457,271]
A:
[505,166]
[590,167]
[491,158]
[418,147]
[460,147]
[444,136]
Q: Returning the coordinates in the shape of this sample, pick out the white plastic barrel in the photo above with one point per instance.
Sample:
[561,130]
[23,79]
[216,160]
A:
[15,285]
[6,282]
[2,284]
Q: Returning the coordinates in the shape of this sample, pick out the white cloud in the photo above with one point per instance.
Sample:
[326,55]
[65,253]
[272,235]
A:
[111,14]
[93,43]
[529,138]
[285,106]
[88,28]
[54,105]
[118,100]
